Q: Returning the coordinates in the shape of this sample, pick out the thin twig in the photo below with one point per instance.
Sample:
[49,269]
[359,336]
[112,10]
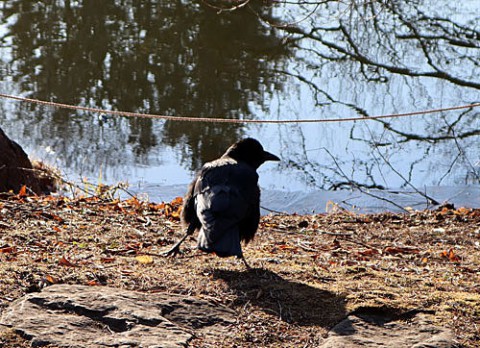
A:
[335,234]
[274,211]
[358,187]
[360,243]
[304,247]
[429,199]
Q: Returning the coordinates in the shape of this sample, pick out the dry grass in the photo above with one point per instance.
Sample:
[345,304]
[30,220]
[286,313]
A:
[309,271]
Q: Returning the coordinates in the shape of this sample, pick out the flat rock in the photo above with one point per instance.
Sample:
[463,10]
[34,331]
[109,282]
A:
[384,330]
[85,316]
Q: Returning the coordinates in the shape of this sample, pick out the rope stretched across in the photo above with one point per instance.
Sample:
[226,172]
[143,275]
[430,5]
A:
[224,120]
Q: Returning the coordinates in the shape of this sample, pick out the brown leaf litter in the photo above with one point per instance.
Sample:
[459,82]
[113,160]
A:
[309,271]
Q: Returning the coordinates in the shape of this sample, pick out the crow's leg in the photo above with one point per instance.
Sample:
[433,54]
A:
[176,248]
[247,266]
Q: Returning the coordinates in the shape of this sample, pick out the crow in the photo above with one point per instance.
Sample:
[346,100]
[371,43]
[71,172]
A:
[223,201]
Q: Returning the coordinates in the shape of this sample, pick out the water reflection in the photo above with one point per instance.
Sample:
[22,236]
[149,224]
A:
[264,60]
[147,56]
[387,57]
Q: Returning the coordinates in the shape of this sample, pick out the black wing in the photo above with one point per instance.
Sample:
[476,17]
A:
[227,206]
[189,213]
[249,224]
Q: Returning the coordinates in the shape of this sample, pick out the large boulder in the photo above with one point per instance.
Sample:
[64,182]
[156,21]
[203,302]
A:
[86,316]
[15,167]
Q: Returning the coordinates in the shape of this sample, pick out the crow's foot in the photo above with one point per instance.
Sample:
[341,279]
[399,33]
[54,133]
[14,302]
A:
[173,251]
[247,266]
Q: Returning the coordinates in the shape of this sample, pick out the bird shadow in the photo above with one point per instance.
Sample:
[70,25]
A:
[291,301]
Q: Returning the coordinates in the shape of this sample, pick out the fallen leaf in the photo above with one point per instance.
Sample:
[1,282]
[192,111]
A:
[462,211]
[167,211]
[50,216]
[107,259]
[452,256]
[176,214]
[287,247]
[177,201]
[51,280]
[401,250]
[156,207]
[80,245]
[133,202]
[65,262]
[144,259]
[23,191]
[368,252]
[7,250]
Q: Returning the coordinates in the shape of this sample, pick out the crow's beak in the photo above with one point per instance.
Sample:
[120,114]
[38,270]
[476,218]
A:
[267,156]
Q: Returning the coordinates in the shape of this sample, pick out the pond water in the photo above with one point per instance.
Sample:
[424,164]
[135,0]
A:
[258,61]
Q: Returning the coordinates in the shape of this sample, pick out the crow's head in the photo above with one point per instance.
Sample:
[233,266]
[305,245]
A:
[250,151]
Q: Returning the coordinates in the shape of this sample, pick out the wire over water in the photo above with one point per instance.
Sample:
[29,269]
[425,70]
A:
[226,120]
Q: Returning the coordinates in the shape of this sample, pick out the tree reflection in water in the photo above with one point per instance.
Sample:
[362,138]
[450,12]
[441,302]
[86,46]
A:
[263,60]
